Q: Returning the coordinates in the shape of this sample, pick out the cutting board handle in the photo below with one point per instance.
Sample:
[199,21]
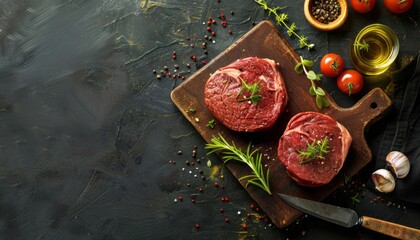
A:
[372,106]
[390,229]
[367,110]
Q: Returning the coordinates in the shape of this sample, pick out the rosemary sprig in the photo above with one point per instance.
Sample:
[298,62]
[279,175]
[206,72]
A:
[362,45]
[316,149]
[250,158]
[252,89]
[281,19]
[314,90]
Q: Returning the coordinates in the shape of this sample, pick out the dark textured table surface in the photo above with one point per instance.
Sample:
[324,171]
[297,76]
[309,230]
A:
[92,146]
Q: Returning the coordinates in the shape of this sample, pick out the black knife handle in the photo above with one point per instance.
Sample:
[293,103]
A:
[390,229]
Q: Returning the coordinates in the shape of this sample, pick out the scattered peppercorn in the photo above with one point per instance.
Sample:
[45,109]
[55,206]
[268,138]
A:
[227,220]
[197,226]
[158,77]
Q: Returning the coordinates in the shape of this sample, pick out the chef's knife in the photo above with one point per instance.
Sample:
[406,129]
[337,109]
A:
[348,218]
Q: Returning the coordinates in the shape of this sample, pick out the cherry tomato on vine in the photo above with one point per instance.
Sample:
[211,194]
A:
[331,65]
[398,6]
[362,6]
[350,82]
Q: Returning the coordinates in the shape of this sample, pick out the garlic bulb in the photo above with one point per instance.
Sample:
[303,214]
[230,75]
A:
[398,163]
[384,181]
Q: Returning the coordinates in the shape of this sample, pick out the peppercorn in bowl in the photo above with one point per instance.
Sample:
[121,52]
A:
[326,15]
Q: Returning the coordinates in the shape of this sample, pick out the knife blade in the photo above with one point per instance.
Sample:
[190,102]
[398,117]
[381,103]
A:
[348,218]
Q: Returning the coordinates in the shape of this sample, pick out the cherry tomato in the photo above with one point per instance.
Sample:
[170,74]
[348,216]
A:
[398,6]
[362,6]
[331,65]
[350,81]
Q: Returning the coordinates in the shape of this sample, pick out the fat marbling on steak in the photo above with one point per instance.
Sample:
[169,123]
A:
[226,99]
[307,128]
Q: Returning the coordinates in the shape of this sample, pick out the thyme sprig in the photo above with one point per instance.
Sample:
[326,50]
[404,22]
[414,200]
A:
[281,19]
[317,149]
[314,90]
[250,158]
[361,45]
[252,89]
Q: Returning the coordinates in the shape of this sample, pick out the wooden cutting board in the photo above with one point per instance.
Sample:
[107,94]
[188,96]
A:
[265,41]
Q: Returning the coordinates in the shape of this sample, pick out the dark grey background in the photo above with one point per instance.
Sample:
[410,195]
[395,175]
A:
[88,135]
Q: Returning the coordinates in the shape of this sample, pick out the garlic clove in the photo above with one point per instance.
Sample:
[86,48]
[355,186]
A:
[384,181]
[398,163]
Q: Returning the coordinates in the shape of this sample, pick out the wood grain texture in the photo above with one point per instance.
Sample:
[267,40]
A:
[391,229]
[265,41]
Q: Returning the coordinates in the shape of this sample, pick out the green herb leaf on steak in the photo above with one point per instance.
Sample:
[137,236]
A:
[249,92]
[316,149]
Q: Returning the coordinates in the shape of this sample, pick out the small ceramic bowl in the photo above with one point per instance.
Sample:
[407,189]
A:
[331,25]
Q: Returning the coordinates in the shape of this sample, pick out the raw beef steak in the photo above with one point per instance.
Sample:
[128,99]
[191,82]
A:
[313,128]
[235,106]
